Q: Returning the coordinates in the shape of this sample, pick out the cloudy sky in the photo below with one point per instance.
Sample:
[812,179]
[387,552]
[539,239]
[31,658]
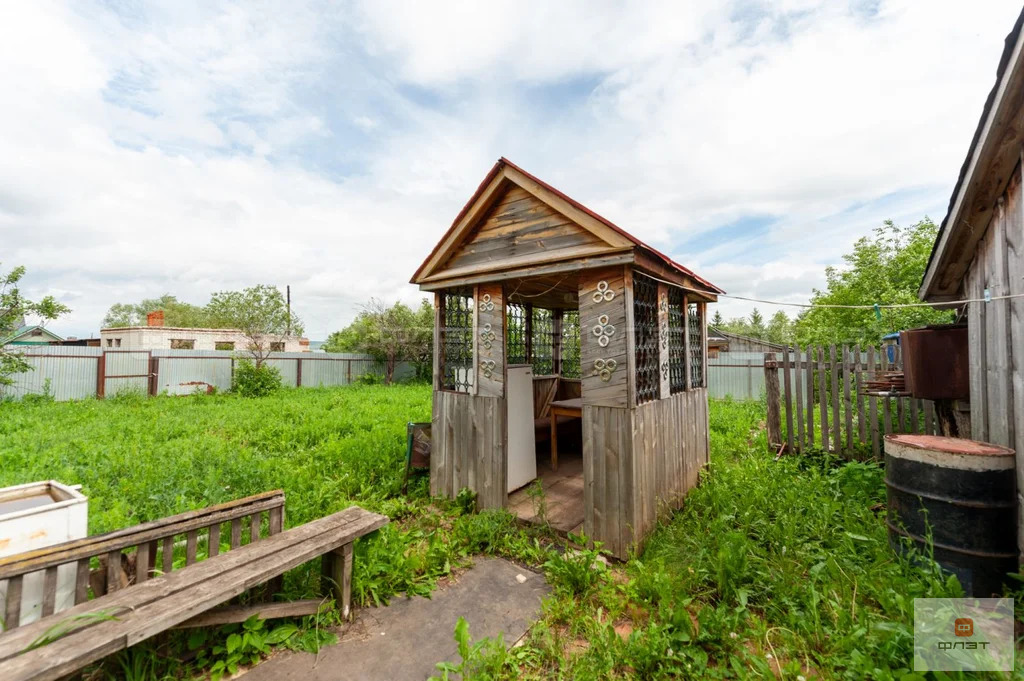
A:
[184,148]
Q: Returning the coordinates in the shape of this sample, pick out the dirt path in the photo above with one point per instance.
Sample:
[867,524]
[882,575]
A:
[406,639]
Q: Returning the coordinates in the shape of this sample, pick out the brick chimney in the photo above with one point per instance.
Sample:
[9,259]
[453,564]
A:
[155,318]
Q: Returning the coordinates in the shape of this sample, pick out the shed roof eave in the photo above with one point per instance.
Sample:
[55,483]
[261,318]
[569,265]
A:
[989,134]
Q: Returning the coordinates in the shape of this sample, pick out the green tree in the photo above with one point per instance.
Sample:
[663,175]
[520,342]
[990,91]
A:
[717,320]
[391,334]
[884,268]
[757,328]
[779,329]
[176,313]
[260,313]
[14,308]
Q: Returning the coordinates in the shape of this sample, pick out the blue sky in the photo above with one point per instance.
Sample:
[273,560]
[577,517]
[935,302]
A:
[189,147]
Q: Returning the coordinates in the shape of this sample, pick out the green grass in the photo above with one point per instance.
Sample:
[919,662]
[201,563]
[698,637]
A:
[772,569]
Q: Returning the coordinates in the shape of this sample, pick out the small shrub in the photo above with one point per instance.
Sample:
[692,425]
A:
[252,381]
[370,379]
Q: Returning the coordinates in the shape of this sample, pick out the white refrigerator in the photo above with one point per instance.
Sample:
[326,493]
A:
[522,456]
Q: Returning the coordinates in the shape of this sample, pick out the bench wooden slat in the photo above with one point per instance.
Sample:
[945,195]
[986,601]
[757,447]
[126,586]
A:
[82,581]
[49,591]
[229,614]
[113,571]
[254,527]
[12,611]
[229,575]
[191,540]
[14,641]
[236,533]
[71,551]
[213,541]
[142,562]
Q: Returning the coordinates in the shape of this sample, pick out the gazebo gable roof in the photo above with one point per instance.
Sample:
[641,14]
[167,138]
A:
[516,220]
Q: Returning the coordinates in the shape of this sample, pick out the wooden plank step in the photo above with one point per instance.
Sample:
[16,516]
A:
[125,600]
[266,611]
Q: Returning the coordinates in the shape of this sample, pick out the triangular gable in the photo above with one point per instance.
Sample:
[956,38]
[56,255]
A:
[31,335]
[512,222]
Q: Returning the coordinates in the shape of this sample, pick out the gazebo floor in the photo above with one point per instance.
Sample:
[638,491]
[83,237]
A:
[563,493]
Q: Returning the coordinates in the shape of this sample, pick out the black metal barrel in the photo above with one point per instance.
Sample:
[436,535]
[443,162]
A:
[964,493]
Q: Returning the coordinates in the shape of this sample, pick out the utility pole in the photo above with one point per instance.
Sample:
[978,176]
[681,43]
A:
[288,297]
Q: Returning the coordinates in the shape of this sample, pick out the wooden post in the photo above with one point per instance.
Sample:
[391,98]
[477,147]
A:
[298,372]
[154,373]
[438,322]
[837,431]
[847,402]
[810,397]
[787,382]
[665,384]
[799,399]
[556,341]
[101,375]
[336,577]
[702,309]
[687,340]
[771,385]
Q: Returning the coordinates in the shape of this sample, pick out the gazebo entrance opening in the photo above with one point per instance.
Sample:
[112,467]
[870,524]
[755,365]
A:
[542,341]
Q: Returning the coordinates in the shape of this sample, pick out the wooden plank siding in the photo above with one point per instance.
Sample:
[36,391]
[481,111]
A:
[518,229]
[468,447]
[596,390]
[996,332]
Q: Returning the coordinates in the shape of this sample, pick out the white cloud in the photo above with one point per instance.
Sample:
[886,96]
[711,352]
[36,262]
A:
[195,147]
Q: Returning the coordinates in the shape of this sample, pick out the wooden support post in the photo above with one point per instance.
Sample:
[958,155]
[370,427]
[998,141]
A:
[336,577]
[101,375]
[12,610]
[556,341]
[142,563]
[687,340]
[771,385]
[798,399]
[787,383]
[298,372]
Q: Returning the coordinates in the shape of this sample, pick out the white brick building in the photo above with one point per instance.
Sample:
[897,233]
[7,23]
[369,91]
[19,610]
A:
[174,338]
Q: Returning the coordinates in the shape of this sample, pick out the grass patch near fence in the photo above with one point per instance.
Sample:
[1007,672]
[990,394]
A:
[772,569]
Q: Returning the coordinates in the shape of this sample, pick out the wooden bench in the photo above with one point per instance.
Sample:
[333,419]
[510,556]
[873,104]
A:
[118,568]
[65,642]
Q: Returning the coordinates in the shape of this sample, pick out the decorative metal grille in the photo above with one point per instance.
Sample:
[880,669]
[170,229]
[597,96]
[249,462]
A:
[515,334]
[457,341]
[645,320]
[676,342]
[542,342]
[696,351]
[571,344]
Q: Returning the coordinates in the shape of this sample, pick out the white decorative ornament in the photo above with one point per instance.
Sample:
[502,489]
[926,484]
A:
[487,337]
[487,366]
[604,368]
[486,304]
[604,331]
[603,292]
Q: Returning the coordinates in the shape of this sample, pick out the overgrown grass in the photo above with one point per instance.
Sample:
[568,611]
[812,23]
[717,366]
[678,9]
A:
[772,569]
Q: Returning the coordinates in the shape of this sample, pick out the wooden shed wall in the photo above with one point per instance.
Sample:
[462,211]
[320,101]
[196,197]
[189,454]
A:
[996,334]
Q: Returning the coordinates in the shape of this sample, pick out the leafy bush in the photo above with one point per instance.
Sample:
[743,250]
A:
[576,571]
[250,380]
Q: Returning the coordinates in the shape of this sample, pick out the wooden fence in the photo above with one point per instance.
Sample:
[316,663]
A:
[823,401]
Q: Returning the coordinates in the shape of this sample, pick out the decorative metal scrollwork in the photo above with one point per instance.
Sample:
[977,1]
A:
[487,366]
[603,292]
[605,368]
[486,304]
[664,371]
[487,336]
[604,331]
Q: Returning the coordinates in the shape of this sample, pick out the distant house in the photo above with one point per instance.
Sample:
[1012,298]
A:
[156,336]
[31,335]
[723,341]
[979,256]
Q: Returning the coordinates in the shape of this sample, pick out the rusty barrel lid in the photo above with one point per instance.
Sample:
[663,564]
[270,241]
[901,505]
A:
[950,452]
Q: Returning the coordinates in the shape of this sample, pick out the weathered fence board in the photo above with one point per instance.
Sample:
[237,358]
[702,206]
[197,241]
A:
[837,382]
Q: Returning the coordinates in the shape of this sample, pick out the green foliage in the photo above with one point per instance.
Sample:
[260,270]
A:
[260,312]
[778,329]
[227,648]
[391,334]
[481,661]
[250,380]
[576,571]
[885,268]
[176,313]
[14,308]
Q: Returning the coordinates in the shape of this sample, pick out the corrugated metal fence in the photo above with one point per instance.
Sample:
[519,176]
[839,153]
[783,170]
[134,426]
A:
[75,373]
[739,375]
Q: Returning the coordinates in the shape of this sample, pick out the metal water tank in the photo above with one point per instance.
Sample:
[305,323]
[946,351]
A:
[963,492]
[35,516]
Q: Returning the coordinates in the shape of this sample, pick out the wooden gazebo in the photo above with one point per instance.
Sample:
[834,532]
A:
[528,276]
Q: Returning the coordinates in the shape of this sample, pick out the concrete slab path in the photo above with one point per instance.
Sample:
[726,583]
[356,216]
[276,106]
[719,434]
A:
[406,639]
